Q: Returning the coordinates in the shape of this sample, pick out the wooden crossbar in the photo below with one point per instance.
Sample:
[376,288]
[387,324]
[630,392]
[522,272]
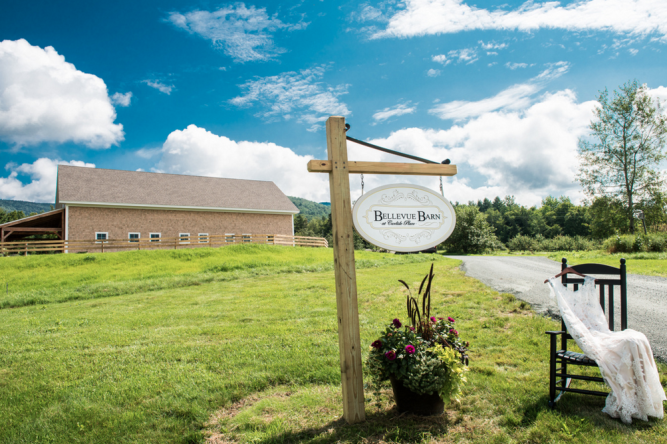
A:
[356,167]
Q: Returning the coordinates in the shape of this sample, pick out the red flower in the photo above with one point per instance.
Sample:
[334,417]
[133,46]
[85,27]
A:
[397,323]
[456,333]
[433,319]
[377,344]
[410,349]
[390,355]
[450,319]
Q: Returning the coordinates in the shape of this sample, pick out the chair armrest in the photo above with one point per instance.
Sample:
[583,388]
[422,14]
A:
[554,332]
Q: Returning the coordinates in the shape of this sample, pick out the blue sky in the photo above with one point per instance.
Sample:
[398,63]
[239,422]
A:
[504,89]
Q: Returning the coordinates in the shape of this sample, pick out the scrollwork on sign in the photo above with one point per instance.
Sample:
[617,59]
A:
[397,195]
[388,233]
[422,200]
[416,238]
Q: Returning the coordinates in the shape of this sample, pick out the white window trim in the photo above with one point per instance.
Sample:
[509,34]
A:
[206,240]
[155,239]
[180,235]
[131,233]
[248,240]
[228,236]
[106,233]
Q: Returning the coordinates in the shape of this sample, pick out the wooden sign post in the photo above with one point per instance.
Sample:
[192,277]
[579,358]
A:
[339,169]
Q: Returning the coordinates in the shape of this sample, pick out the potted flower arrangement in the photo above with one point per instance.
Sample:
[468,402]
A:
[424,361]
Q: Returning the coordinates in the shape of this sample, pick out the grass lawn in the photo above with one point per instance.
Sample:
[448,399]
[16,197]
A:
[255,359]
[43,279]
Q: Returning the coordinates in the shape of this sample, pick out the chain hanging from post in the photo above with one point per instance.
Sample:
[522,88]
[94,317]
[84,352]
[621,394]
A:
[362,184]
[442,191]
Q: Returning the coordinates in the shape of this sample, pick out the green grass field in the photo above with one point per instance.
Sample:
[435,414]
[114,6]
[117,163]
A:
[252,355]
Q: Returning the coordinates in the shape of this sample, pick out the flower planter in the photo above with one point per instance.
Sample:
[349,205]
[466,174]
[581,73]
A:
[410,402]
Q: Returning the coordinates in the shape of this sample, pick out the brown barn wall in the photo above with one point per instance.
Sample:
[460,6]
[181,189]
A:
[83,222]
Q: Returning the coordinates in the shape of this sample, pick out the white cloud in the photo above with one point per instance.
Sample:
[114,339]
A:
[45,99]
[529,153]
[441,58]
[515,97]
[433,72]
[292,94]
[513,66]
[245,34]
[633,51]
[122,99]
[42,185]
[196,151]
[166,89]
[468,55]
[492,45]
[398,110]
[490,53]
[427,17]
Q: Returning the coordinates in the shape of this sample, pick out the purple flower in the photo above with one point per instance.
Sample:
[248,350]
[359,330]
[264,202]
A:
[454,332]
[441,318]
[433,319]
[377,344]
[410,349]
[397,323]
[390,355]
[450,319]
[412,329]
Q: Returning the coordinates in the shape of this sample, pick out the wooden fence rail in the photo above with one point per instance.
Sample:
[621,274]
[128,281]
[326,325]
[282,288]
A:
[110,245]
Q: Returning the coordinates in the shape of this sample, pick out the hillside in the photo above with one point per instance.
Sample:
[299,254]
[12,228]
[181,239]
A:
[311,209]
[26,207]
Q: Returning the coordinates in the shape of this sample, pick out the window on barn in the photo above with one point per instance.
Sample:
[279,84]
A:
[101,235]
[155,237]
[247,238]
[203,238]
[229,237]
[134,237]
[184,238]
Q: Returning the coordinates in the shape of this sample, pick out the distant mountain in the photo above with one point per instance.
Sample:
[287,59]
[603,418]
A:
[26,207]
[311,209]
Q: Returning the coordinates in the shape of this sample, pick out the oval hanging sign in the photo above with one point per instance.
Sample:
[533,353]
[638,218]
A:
[404,217]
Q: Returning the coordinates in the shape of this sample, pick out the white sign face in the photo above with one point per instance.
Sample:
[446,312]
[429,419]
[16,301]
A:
[404,217]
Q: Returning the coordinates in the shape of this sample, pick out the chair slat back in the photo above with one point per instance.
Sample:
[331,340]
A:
[601,269]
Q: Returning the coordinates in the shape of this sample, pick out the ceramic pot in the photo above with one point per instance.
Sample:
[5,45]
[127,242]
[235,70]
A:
[410,402]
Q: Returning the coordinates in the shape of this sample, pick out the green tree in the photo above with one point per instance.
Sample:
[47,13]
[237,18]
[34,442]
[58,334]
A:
[300,225]
[472,233]
[628,138]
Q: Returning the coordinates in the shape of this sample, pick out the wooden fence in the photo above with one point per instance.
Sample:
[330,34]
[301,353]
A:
[111,245]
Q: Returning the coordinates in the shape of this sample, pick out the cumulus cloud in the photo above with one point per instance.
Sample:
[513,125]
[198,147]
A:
[513,66]
[427,17]
[433,72]
[245,34]
[43,98]
[397,110]
[294,95]
[441,58]
[529,153]
[42,185]
[513,98]
[121,99]
[166,89]
[196,151]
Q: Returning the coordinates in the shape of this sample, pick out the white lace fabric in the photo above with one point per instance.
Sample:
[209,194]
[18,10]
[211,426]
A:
[624,357]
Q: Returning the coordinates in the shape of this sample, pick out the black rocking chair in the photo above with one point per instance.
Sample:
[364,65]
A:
[559,378]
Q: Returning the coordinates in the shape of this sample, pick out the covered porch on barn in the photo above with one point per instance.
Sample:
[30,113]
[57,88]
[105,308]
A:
[52,222]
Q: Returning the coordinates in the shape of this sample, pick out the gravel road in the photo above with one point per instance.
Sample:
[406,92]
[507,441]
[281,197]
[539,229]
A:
[524,278]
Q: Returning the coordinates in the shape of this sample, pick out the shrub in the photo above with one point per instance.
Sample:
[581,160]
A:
[523,243]
[634,243]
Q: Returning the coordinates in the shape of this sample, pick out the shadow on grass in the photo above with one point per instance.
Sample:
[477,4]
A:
[384,426]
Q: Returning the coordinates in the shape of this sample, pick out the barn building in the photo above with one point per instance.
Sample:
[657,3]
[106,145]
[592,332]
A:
[96,204]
